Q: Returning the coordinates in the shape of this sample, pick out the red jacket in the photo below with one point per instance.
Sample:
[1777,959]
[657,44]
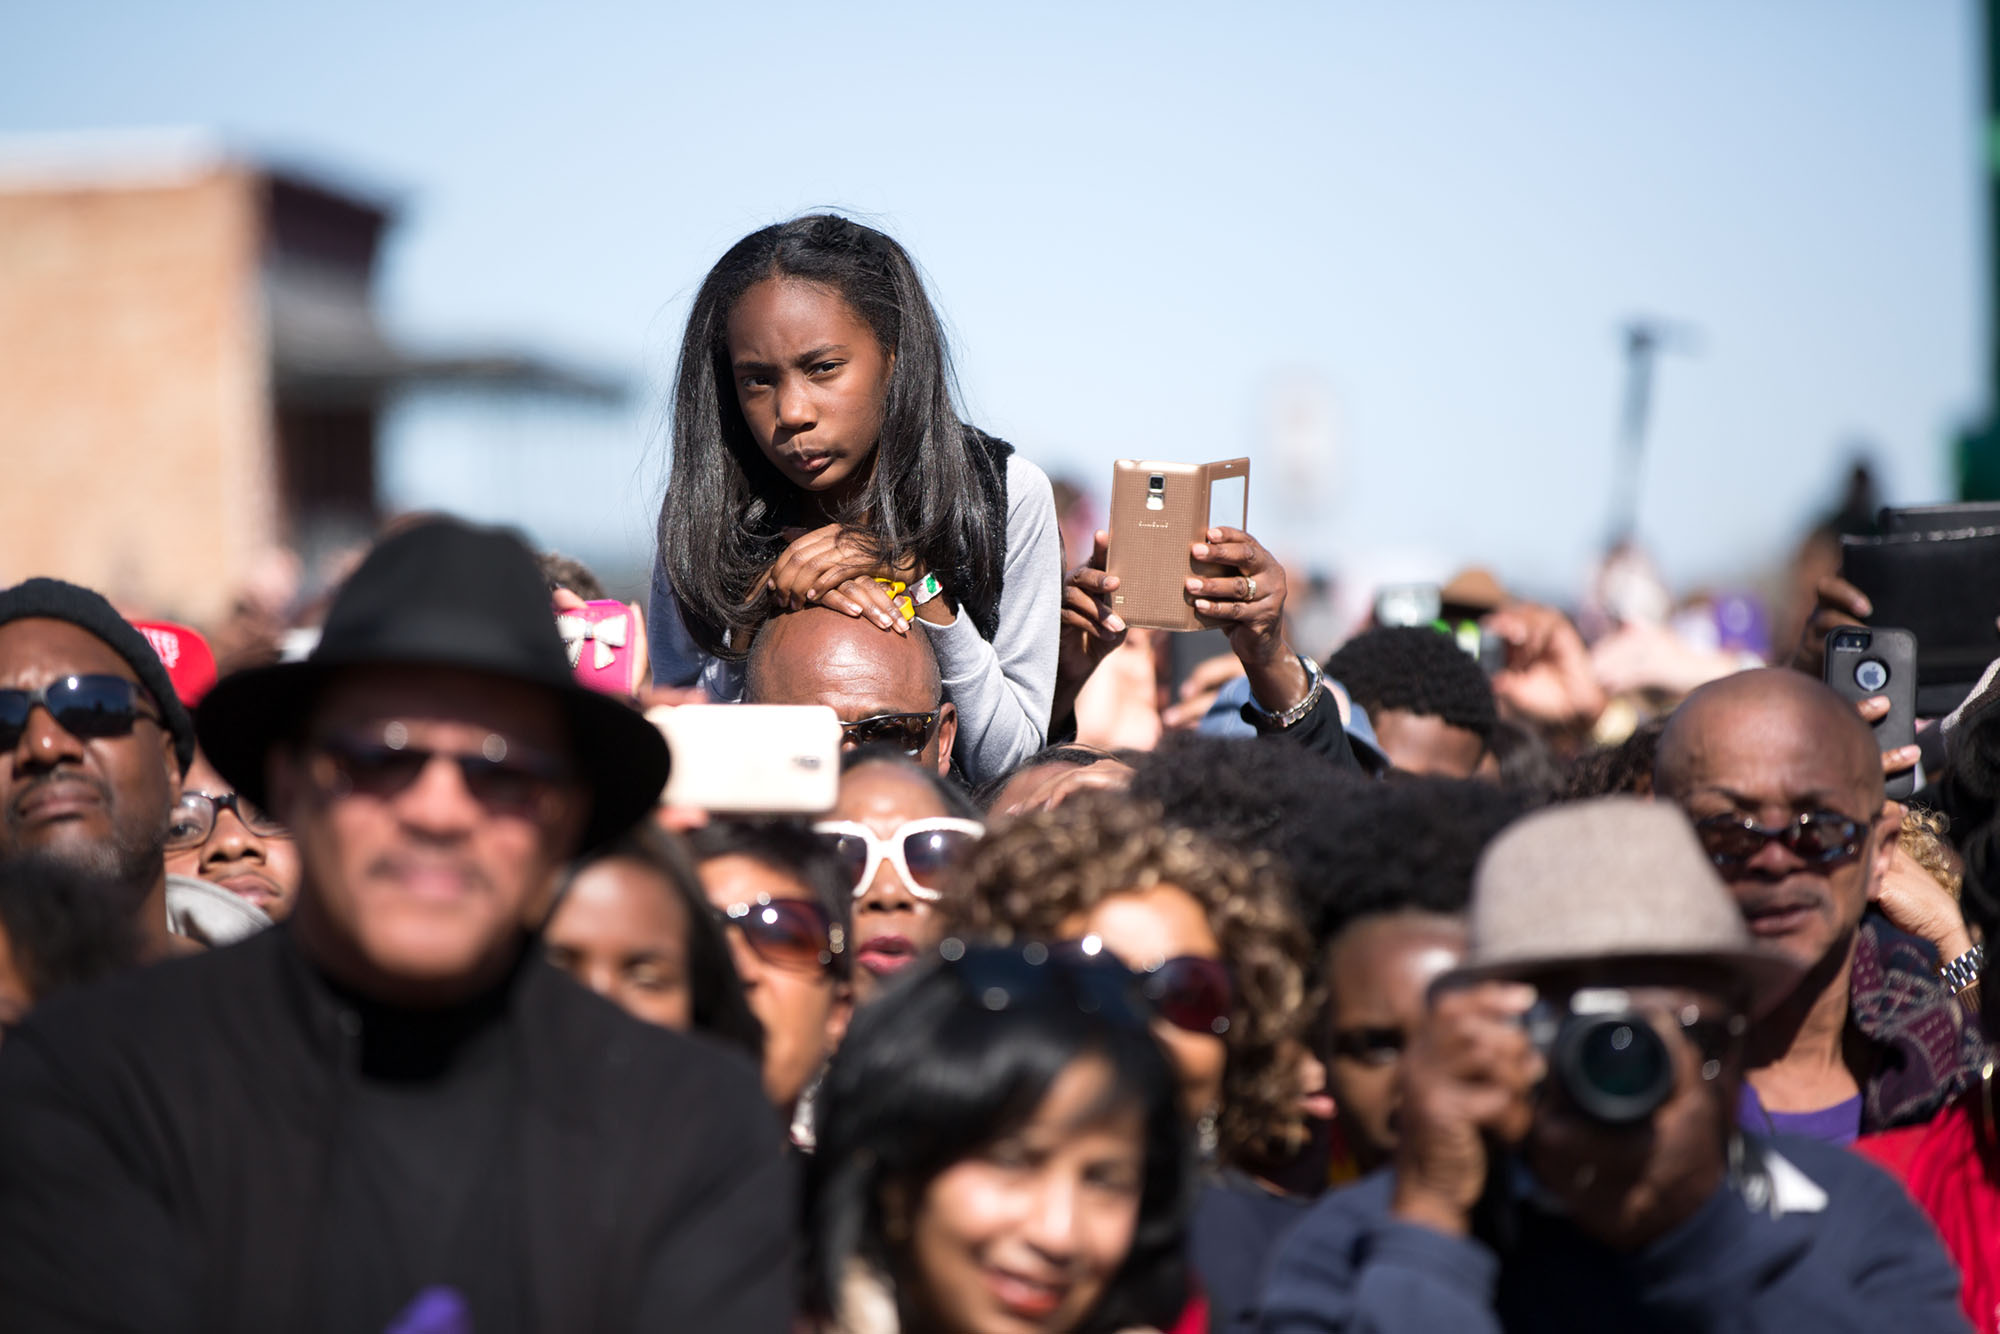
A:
[1949,1168]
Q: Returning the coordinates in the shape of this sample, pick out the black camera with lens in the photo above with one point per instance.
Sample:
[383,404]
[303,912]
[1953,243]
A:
[1608,1059]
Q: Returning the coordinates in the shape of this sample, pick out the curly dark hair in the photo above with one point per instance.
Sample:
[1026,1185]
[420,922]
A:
[1527,761]
[1409,845]
[1041,869]
[1625,768]
[1256,795]
[1418,670]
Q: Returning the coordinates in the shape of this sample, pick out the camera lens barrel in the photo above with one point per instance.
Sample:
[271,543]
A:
[1614,1068]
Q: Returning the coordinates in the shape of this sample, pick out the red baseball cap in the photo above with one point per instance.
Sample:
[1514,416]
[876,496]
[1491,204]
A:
[190,663]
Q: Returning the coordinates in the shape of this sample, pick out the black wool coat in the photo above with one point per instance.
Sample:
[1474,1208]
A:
[167,1140]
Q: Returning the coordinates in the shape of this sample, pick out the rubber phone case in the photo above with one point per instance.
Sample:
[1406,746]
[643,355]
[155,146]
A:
[1157,511]
[1865,661]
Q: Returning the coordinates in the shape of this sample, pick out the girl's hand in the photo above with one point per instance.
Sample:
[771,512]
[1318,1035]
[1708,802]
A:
[818,562]
[866,600]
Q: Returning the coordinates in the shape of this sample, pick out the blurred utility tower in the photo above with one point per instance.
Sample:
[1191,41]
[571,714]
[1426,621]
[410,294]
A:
[1645,339]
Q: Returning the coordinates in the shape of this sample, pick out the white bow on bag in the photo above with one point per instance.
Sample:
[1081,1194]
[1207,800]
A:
[608,634]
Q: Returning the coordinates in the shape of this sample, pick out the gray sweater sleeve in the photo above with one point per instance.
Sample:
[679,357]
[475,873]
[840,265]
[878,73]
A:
[1003,690]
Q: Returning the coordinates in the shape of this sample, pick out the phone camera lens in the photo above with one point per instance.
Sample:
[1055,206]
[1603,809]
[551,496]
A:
[1157,482]
[1871,674]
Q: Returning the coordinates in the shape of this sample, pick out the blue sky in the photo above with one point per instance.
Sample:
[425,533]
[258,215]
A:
[1411,230]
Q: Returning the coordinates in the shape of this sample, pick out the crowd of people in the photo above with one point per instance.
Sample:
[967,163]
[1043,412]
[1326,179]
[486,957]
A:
[1426,985]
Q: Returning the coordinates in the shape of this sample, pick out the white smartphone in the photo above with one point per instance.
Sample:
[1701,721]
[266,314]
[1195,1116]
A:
[751,758]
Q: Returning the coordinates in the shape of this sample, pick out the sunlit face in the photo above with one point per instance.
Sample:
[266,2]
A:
[1420,743]
[622,931]
[893,928]
[1144,928]
[811,379]
[1379,972]
[261,868]
[1768,765]
[101,802]
[1025,1236]
[424,892]
[804,1011]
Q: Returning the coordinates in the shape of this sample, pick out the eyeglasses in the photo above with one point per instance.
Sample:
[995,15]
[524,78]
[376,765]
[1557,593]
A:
[502,777]
[908,732]
[1004,977]
[1377,1047]
[195,814]
[1191,993]
[922,851]
[88,707]
[1817,838]
[786,933]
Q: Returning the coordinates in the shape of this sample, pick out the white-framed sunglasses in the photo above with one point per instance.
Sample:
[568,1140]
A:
[922,851]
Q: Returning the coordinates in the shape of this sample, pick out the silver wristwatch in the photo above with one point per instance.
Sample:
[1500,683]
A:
[1963,971]
[1315,687]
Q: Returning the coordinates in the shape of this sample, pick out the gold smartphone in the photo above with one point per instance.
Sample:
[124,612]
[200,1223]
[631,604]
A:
[1157,511]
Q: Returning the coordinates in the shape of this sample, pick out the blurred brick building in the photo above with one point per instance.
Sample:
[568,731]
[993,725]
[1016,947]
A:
[191,367]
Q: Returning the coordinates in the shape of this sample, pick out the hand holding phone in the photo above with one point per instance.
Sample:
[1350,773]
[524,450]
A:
[1876,668]
[606,642]
[751,758]
[1159,512]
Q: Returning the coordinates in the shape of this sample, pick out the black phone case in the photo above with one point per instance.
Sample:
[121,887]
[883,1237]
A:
[1942,586]
[1897,650]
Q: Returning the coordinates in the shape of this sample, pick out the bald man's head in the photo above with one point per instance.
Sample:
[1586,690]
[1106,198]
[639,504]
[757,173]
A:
[821,656]
[1777,751]
[1778,712]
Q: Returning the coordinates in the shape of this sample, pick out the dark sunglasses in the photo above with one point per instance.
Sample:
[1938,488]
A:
[786,933]
[908,732]
[1009,977]
[1817,838]
[1193,994]
[88,707]
[1368,1046]
[500,776]
[194,816]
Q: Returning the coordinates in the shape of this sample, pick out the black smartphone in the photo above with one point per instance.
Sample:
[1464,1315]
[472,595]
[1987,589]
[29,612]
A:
[1864,661]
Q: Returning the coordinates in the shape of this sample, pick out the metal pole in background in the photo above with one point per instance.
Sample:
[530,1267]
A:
[1644,339]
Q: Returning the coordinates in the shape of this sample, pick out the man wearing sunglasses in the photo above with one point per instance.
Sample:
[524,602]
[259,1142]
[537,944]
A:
[93,746]
[1783,782]
[884,687]
[389,1111]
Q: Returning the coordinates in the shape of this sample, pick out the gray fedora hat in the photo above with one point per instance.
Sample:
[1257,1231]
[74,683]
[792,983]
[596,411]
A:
[1617,879]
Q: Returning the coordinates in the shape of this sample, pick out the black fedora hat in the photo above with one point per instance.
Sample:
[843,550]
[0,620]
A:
[442,593]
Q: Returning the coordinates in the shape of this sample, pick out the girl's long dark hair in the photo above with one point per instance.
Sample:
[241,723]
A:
[932,481]
[933,1073]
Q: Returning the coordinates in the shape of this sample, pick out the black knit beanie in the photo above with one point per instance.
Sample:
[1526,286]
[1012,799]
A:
[88,610]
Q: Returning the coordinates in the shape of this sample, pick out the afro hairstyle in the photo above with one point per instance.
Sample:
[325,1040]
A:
[1409,845]
[1418,670]
[1252,794]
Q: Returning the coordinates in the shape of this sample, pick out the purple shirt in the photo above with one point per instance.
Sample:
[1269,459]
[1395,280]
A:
[1838,1124]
